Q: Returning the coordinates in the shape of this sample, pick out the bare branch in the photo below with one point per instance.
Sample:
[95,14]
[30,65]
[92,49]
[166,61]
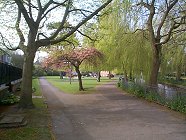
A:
[146,5]
[81,11]
[8,46]
[165,16]
[48,11]
[47,5]
[70,42]
[86,35]
[175,32]
[172,30]
[81,23]
[29,4]
[166,3]
[43,24]
[30,9]
[174,26]
[41,34]
[39,4]
[19,32]
[40,11]
[63,21]
[52,41]
[24,12]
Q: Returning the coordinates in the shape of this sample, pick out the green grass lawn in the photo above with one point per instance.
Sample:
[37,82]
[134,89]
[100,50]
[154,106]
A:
[38,127]
[89,83]
[35,84]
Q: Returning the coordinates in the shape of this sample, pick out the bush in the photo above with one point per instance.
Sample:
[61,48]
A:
[178,104]
[39,71]
[9,99]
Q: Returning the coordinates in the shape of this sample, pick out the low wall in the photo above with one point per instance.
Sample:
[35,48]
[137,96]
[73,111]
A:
[3,90]
[11,87]
[15,85]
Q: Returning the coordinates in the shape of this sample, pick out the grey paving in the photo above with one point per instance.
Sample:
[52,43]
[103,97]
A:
[109,114]
[12,120]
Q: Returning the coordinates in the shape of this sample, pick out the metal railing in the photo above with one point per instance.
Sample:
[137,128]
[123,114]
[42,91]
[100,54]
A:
[9,73]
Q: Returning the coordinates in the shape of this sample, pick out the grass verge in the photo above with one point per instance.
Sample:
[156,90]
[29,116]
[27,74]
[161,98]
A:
[36,87]
[174,82]
[89,84]
[38,127]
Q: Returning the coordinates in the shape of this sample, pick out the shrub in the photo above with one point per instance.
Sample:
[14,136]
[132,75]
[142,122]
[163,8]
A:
[9,99]
[178,104]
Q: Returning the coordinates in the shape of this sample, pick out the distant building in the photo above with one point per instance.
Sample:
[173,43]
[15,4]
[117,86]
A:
[104,73]
[4,57]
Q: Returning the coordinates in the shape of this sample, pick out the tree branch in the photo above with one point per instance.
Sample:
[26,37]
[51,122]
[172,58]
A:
[62,22]
[81,23]
[174,26]
[81,11]
[146,5]
[24,12]
[52,41]
[164,17]
[30,9]
[49,10]
[19,32]
[70,42]
[40,12]
[86,35]
[41,34]
[9,46]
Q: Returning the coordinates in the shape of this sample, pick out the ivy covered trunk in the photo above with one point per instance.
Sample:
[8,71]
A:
[26,95]
[79,78]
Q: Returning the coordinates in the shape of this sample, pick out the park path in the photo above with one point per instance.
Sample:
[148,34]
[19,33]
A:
[109,114]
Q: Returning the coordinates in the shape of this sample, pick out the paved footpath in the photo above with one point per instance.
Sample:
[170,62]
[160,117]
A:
[109,114]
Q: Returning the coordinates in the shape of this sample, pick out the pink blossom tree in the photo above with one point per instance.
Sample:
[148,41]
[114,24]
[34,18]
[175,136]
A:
[75,57]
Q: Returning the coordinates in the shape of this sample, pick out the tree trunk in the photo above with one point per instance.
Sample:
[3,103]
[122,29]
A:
[156,61]
[79,79]
[26,95]
[109,75]
[178,73]
[130,76]
[98,76]
[61,74]
[125,75]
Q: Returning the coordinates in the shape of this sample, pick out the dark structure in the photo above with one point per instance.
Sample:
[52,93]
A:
[9,73]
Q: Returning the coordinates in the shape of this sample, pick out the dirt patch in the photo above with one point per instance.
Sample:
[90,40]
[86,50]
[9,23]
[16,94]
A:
[4,108]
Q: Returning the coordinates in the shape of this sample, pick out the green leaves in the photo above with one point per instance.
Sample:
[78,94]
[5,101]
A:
[10,99]
[125,50]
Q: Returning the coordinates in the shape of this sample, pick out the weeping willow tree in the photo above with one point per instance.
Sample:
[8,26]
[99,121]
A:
[174,60]
[125,50]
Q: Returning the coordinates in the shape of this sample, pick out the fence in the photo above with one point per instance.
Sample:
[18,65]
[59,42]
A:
[9,73]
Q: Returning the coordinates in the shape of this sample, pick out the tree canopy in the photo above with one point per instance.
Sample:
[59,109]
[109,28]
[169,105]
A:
[29,20]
